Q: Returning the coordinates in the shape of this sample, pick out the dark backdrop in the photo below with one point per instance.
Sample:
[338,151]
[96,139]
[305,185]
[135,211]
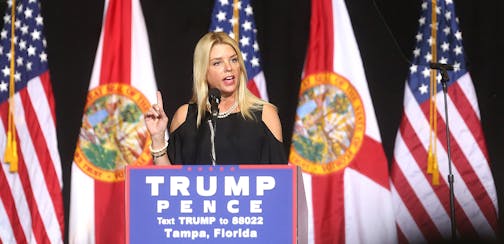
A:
[384,30]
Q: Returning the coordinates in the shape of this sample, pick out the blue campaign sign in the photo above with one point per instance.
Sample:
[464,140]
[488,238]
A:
[211,204]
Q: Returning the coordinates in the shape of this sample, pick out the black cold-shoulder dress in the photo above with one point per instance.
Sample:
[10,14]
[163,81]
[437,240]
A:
[237,141]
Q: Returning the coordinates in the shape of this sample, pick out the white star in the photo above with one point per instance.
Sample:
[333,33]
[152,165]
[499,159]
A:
[35,35]
[231,34]
[254,61]
[3,86]
[447,15]
[458,50]
[20,8]
[28,13]
[248,10]
[446,30]
[418,37]
[426,72]
[438,10]
[40,20]
[428,57]
[1,50]
[223,2]
[449,2]
[424,5]
[244,56]
[421,21]
[413,68]
[221,16]
[43,57]
[7,19]
[22,45]
[24,29]
[218,29]
[244,41]
[3,34]
[19,61]
[17,76]
[423,88]
[458,35]
[256,46]
[31,50]
[17,24]
[445,46]
[28,66]
[6,71]
[247,25]
[456,66]
[438,77]
[416,52]
[443,60]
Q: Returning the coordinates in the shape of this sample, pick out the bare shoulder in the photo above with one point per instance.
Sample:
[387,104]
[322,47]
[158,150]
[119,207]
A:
[179,117]
[272,121]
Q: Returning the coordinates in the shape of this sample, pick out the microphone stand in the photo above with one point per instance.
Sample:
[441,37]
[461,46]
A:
[213,127]
[444,83]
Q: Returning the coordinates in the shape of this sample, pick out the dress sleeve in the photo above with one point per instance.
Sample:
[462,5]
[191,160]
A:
[273,150]
[174,148]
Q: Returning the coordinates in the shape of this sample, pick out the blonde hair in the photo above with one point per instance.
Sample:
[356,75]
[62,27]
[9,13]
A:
[246,100]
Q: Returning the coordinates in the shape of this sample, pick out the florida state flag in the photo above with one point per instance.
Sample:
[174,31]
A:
[336,139]
[113,133]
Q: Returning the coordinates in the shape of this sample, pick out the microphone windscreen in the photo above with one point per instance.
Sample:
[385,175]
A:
[214,95]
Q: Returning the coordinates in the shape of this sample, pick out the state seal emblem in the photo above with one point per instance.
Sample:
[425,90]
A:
[329,126]
[113,132]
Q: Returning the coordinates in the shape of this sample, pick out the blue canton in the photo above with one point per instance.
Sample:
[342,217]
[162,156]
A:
[222,20]
[449,48]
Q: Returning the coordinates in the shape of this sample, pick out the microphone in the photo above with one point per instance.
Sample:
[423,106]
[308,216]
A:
[214,97]
[440,66]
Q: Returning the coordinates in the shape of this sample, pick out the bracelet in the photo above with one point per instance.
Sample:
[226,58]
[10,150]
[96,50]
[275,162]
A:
[155,156]
[158,150]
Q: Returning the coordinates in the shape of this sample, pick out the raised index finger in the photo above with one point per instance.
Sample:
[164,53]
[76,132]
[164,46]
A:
[159,100]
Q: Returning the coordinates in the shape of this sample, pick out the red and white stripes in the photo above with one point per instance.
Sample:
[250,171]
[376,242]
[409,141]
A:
[31,206]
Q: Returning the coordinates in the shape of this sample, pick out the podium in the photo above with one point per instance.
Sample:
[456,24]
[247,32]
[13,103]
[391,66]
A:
[215,204]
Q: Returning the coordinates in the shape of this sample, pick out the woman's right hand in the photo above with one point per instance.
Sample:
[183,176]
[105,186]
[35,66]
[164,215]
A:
[157,122]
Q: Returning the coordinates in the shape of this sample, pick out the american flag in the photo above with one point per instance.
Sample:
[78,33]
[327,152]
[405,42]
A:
[237,19]
[31,206]
[422,205]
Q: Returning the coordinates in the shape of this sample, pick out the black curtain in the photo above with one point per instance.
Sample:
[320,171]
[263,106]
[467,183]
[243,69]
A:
[384,30]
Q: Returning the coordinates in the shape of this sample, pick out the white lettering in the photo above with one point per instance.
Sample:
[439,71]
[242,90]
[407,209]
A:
[231,204]
[154,182]
[255,206]
[264,183]
[179,184]
[209,206]
[185,206]
[162,205]
[212,188]
[233,188]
